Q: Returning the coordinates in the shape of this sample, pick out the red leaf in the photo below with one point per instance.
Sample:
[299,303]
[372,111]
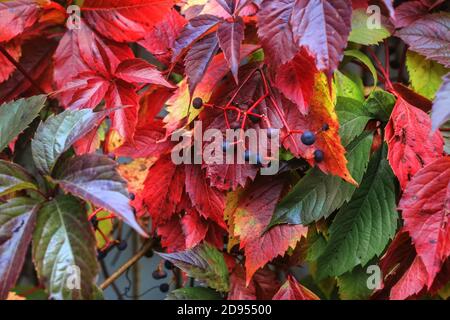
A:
[198,59]
[140,71]
[172,236]
[146,143]
[292,290]
[122,95]
[275,31]
[426,204]
[231,35]
[16,16]
[238,289]
[194,30]
[429,36]
[323,28]
[409,12]
[6,67]
[86,91]
[209,201]
[152,103]
[161,39]
[194,228]
[411,143]
[295,79]
[163,189]
[125,20]
[412,282]
[251,218]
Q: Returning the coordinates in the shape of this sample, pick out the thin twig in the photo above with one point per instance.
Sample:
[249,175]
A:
[113,285]
[147,246]
[22,70]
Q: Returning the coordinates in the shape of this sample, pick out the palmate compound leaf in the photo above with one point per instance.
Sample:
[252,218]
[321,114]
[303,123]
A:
[317,195]
[17,220]
[94,178]
[204,263]
[14,178]
[16,116]
[430,36]
[441,109]
[249,222]
[64,246]
[425,206]
[58,133]
[411,143]
[363,226]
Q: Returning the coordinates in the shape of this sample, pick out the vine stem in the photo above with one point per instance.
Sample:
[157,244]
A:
[22,70]
[146,246]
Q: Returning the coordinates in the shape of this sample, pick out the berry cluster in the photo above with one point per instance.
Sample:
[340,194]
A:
[245,113]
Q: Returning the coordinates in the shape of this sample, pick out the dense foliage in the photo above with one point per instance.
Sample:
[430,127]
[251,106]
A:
[359,92]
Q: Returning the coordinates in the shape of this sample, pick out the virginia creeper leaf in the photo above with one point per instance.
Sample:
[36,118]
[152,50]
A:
[292,290]
[353,118]
[441,110]
[425,75]
[125,20]
[94,178]
[140,71]
[425,205]
[363,226]
[17,220]
[430,37]
[17,115]
[16,16]
[57,134]
[64,239]
[317,195]
[205,263]
[14,178]
[230,36]
[380,104]
[323,28]
[411,143]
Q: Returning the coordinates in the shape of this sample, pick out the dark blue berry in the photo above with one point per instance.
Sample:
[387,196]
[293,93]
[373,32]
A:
[197,103]
[102,254]
[132,196]
[122,245]
[319,156]
[149,253]
[164,287]
[308,138]
[94,222]
[325,127]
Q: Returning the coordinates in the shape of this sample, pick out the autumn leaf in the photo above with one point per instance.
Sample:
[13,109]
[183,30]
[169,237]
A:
[425,205]
[411,143]
[292,290]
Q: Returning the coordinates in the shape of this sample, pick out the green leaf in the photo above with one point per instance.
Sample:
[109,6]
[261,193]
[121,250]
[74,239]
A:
[204,263]
[353,285]
[366,61]
[16,116]
[17,220]
[353,118]
[425,75]
[362,34]
[197,293]
[94,178]
[14,178]
[317,195]
[380,105]
[347,87]
[63,242]
[362,228]
[57,134]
